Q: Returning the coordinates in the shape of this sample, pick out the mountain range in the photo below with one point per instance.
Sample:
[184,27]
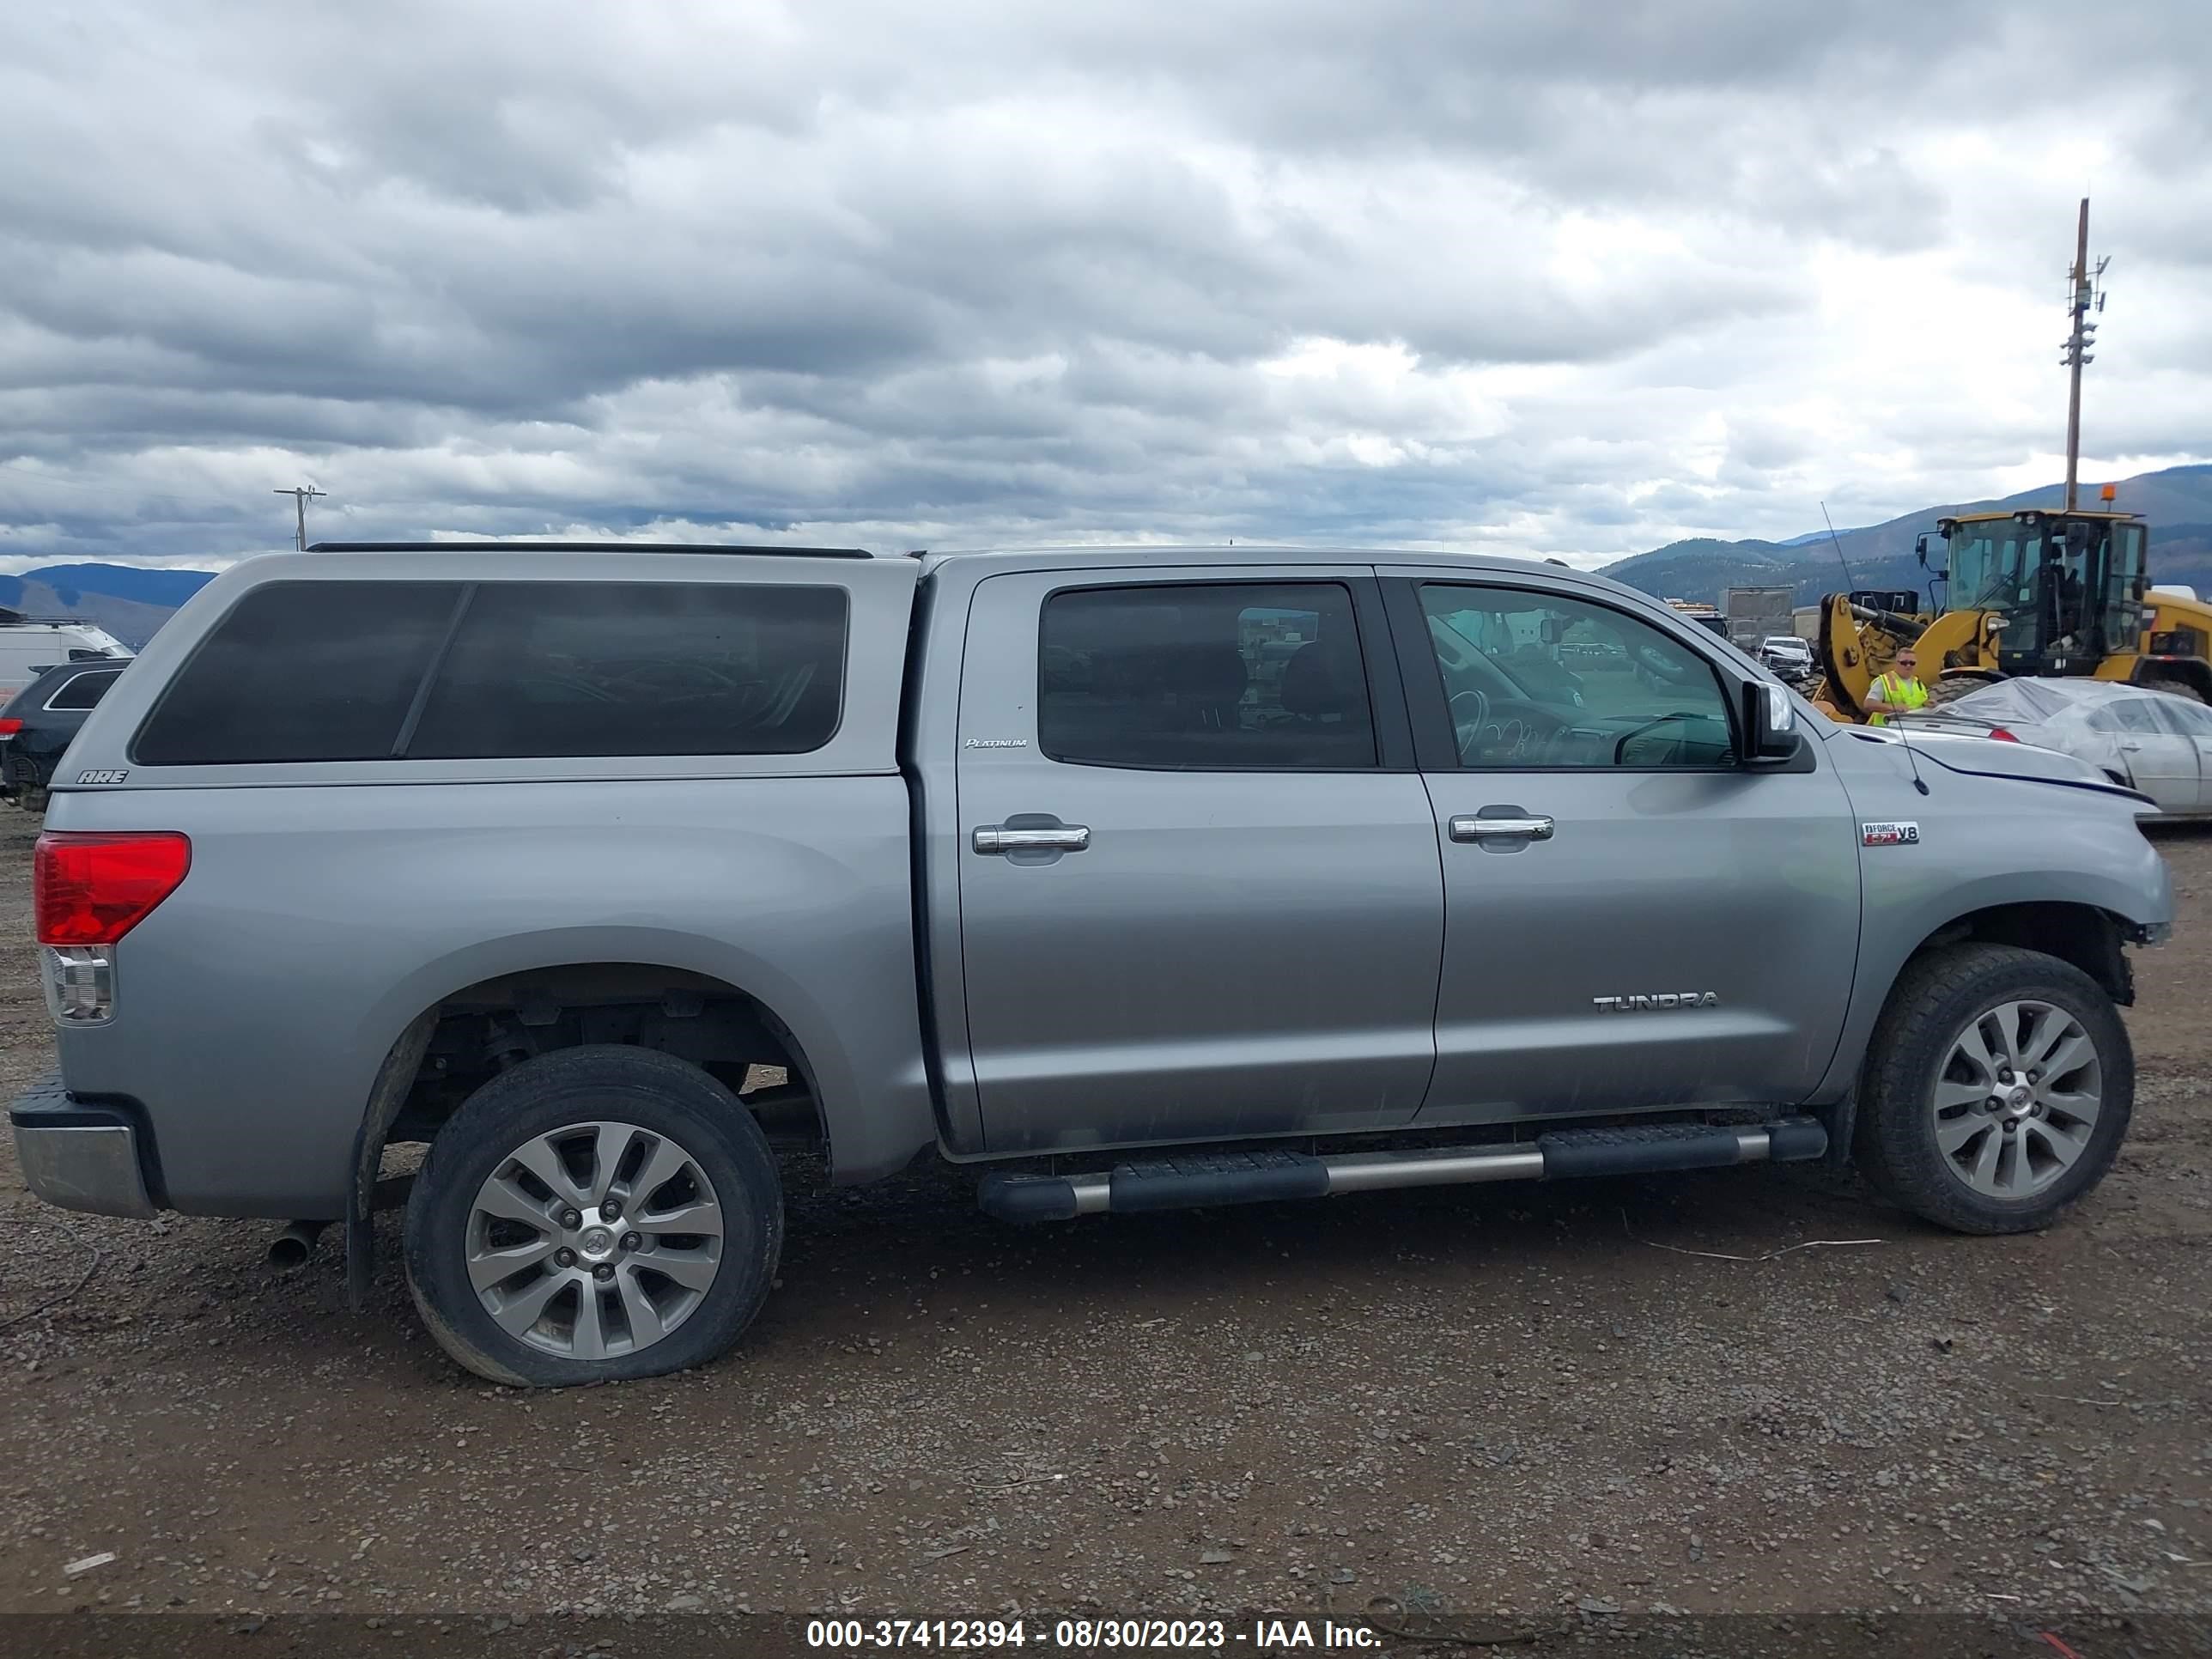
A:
[131,603]
[127,601]
[2177,501]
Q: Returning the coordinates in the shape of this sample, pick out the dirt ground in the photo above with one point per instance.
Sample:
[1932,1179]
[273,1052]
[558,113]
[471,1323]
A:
[1494,1404]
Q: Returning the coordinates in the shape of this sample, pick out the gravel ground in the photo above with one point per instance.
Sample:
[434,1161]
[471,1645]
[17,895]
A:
[1502,1404]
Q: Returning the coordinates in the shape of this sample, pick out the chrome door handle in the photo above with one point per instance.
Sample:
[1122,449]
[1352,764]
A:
[1526,829]
[2131,748]
[1070,838]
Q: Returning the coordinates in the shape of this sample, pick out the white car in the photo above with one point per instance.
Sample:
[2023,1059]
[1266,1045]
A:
[2157,742]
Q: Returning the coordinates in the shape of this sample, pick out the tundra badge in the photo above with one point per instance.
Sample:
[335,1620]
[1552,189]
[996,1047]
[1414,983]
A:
[1658,999]
[1889,834]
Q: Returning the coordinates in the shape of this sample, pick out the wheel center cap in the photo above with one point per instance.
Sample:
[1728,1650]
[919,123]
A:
[2019,1097]
[596,1241]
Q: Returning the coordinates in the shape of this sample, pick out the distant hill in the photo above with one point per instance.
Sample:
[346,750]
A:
[128,602]
[2176,501]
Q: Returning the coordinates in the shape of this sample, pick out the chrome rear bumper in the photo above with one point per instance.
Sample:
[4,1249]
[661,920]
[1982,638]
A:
[79,1156]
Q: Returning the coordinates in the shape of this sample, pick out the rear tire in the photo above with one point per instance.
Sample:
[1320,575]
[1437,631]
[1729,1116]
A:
[1998,1088]
[532,1249]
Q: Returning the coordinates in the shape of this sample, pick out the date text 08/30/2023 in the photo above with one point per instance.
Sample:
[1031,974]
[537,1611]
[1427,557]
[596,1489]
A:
[1262,1636]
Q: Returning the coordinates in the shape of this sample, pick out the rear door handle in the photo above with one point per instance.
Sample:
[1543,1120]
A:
[1530,827]
[2132,748]
[1069,838]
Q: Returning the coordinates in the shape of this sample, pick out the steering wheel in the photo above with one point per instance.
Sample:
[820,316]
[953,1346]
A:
[1466,728]
[1620,748]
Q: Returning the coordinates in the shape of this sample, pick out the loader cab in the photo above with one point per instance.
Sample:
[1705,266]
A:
[2066,586]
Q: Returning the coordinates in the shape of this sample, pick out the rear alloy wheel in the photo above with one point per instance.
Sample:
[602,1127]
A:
[1997,1088]
[591,1215]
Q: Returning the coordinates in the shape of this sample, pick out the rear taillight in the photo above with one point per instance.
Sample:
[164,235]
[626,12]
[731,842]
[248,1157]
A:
[10,728]
[2002,735]
[91,888]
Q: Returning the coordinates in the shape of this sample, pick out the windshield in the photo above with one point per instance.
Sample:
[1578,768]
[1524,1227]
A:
[1993,565]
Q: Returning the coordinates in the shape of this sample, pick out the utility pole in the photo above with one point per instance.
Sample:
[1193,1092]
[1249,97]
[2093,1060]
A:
[2085,295]
[301,496]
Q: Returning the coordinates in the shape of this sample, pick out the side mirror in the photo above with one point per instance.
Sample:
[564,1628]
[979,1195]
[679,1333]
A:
[1920,551]
[1769,724]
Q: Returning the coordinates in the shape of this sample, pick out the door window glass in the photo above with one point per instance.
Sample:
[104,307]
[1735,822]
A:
[1539,680]
[2135,715]
[2189,717]
[1204,676]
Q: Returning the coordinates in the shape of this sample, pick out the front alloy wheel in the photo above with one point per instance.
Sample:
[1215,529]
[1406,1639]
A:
[2017,1100]
[1996,1088]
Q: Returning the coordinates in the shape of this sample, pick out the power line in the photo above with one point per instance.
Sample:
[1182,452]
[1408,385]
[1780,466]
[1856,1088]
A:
[301,494]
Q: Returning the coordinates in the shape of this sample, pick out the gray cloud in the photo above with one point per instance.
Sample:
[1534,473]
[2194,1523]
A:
[1524,275]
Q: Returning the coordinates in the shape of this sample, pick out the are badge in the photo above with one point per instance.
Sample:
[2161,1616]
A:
[1889,834]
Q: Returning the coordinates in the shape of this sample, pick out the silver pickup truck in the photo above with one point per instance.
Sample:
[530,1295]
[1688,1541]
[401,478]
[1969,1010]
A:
[1130,879]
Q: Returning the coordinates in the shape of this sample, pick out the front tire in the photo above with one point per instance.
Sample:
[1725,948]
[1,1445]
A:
[593,1215]
[1998,1089]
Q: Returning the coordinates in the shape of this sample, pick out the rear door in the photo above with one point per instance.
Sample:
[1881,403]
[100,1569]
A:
[1632,919]
[1200,889]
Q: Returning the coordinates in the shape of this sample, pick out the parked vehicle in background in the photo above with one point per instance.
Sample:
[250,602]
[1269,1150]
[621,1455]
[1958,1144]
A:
[1754,614]
[1131,878]
[1786,655]
[29,645]
[37,724]
[2156,742]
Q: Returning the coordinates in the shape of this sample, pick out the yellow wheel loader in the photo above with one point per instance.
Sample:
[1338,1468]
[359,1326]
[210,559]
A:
[2037,592]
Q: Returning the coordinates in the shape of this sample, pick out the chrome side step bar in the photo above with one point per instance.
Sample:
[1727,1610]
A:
[1201,1179]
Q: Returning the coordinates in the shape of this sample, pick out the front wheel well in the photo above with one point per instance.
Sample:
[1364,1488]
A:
[2089,938]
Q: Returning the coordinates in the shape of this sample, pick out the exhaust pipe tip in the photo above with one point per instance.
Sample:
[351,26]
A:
[290,1248]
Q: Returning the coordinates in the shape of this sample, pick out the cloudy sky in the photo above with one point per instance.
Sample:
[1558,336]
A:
[1530,275]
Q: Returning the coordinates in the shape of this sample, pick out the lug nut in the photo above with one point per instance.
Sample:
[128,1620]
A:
[572,1217]
[564,1258]
[611,1209]
[604,1274]
[631,1241]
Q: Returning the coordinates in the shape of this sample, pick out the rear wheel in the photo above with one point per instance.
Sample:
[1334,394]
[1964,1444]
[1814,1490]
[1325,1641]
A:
[592,1215]
[1998,1089]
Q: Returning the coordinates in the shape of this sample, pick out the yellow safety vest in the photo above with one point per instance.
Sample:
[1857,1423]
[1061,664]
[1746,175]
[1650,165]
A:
[1890,689]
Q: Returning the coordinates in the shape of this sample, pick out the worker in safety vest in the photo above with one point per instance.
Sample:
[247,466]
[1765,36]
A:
[1897,692]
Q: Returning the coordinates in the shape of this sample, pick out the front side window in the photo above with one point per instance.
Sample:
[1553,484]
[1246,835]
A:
[1539,680]
[1204,676]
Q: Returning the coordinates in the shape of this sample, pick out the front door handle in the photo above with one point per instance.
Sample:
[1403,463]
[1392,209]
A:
[2131,748]
[1530,827]
[1067,838]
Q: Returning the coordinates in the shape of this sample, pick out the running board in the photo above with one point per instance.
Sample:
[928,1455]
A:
[1198,1179]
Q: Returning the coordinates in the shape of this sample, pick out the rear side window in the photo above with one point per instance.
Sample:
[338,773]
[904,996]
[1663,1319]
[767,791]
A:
[544,669]
[1204,676]
[84,691]
[302,672]
[346,671]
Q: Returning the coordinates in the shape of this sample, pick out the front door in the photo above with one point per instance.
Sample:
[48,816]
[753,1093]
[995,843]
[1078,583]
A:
[2194,719]
[2161,758]
[1633,919]
[1199,891]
